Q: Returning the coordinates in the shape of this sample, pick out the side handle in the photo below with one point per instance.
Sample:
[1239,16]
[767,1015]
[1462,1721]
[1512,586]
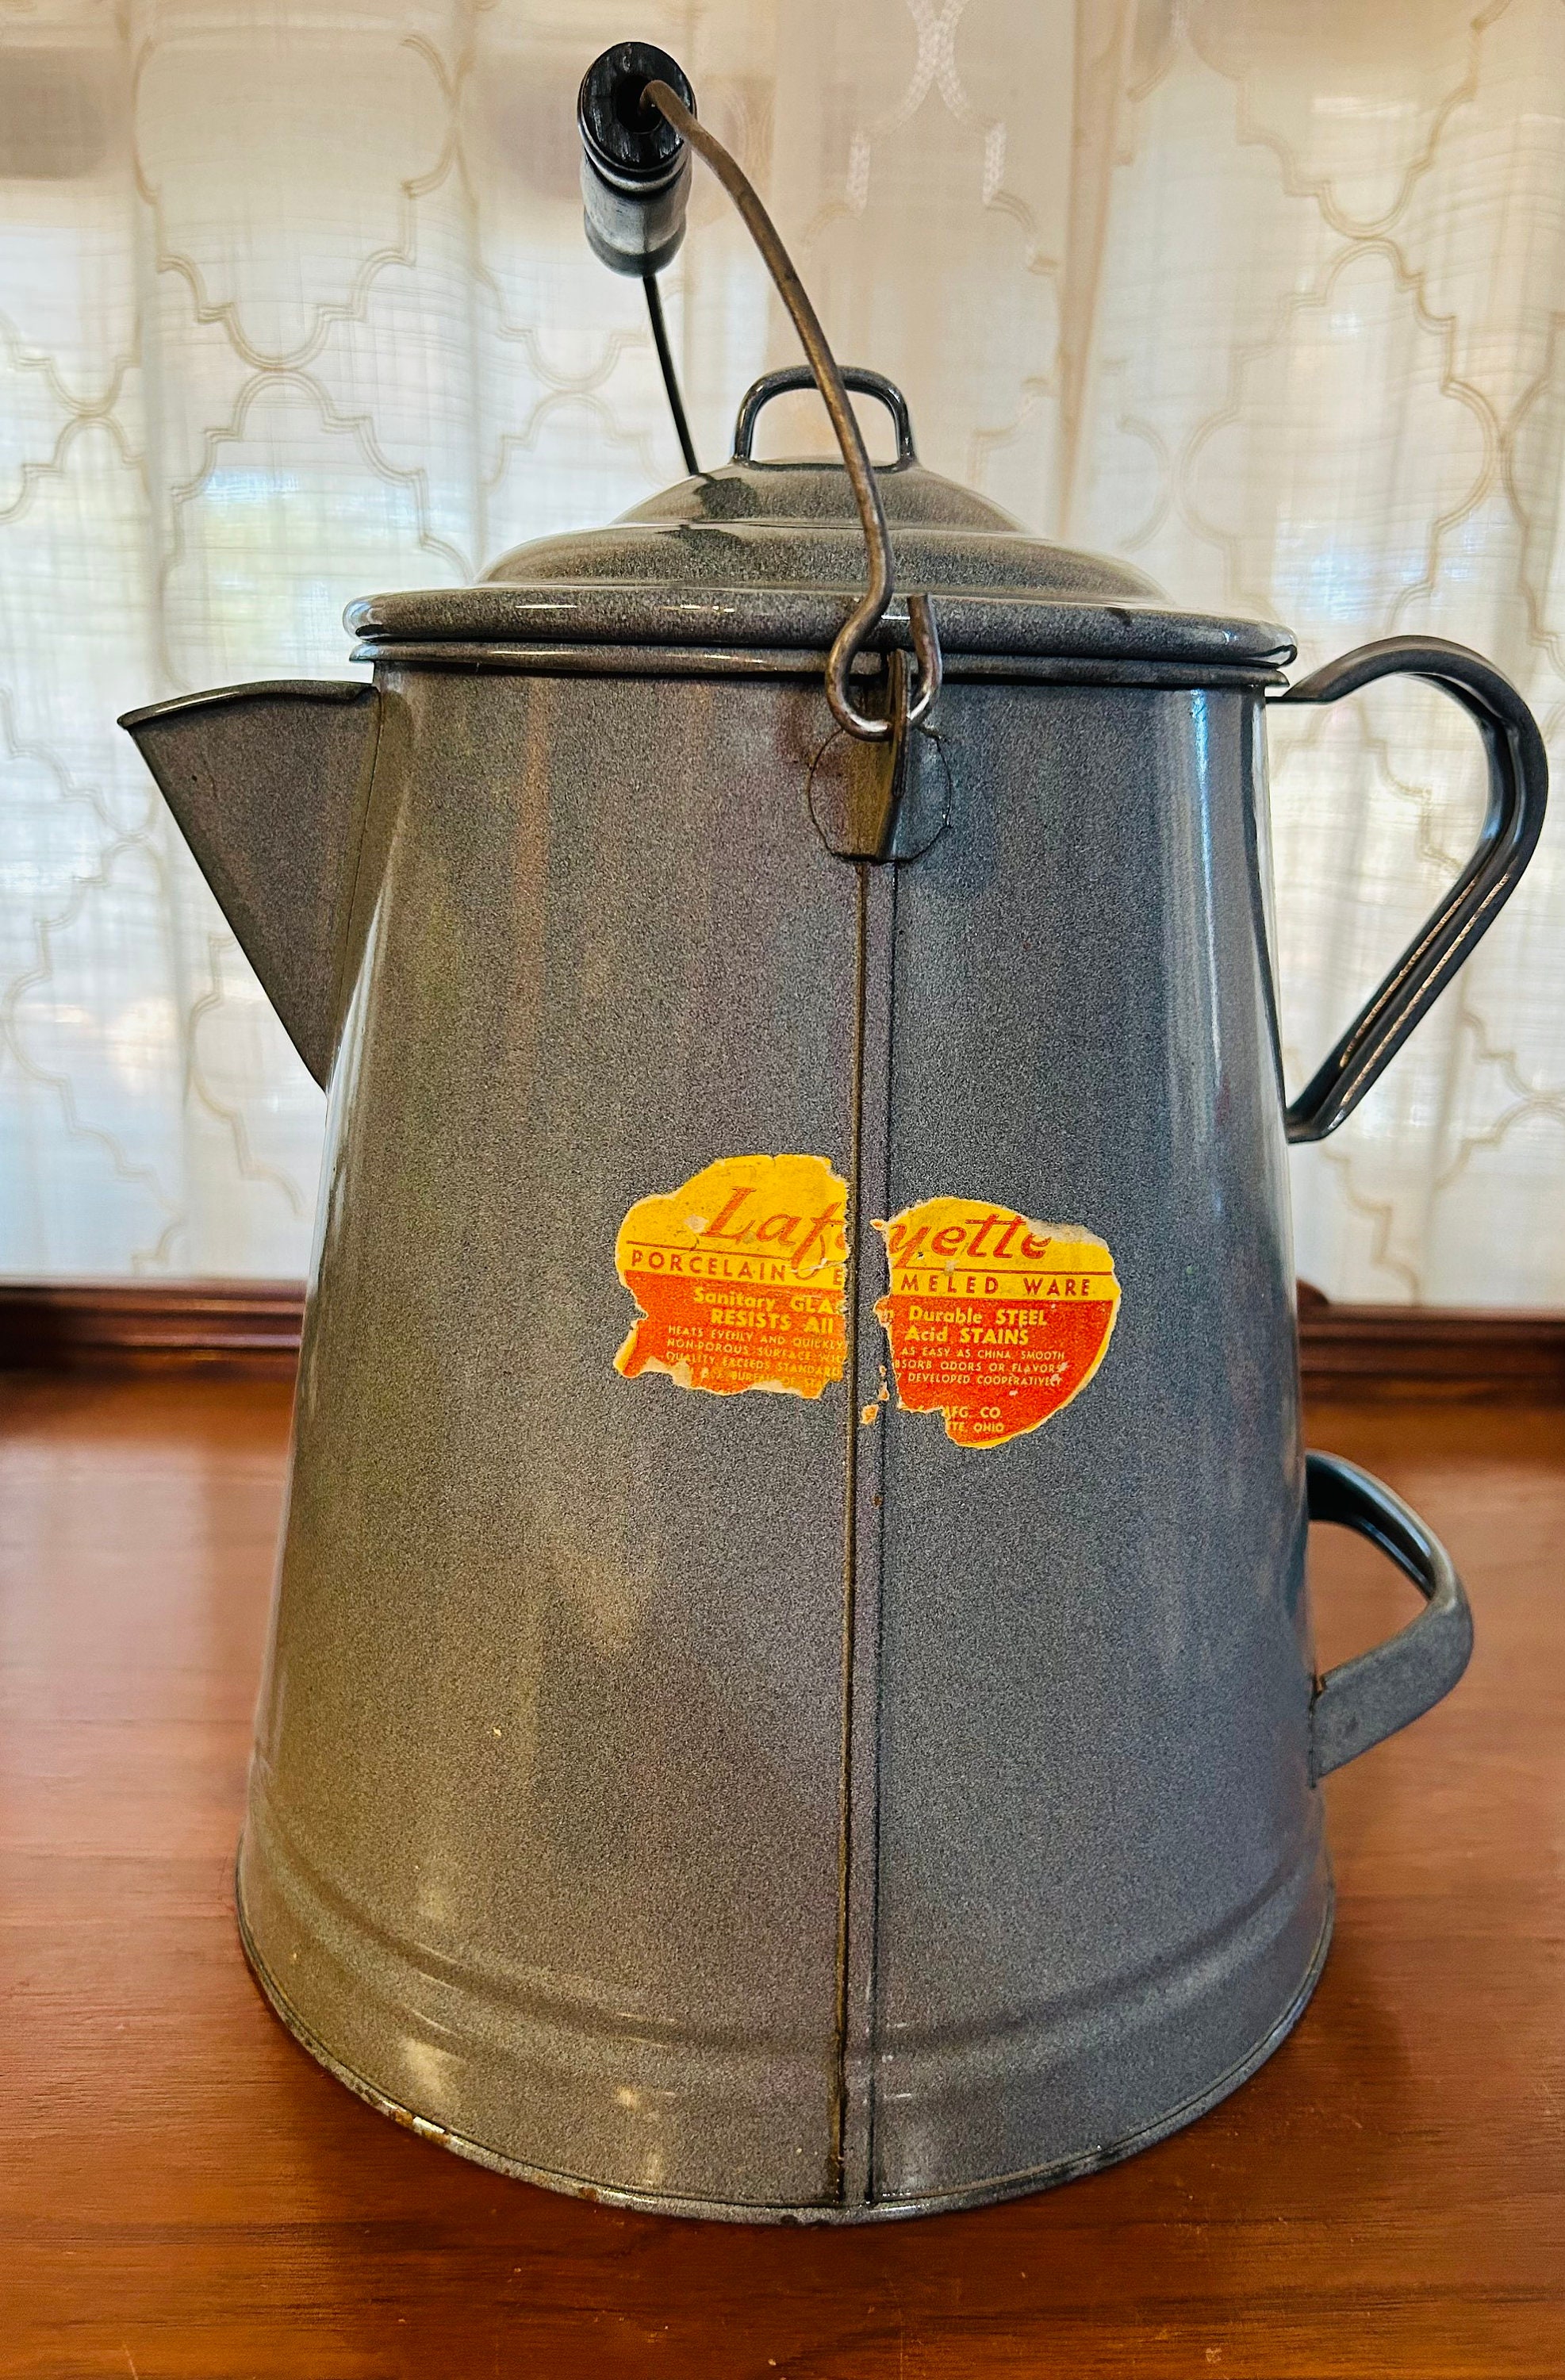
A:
[1518,797]
[1363,1701]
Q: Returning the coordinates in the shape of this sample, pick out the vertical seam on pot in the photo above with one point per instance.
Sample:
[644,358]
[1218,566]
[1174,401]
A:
[872,1996]
[850,1536]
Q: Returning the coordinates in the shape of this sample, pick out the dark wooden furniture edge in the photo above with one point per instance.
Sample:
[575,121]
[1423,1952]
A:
[1467,1356]
[237,1327]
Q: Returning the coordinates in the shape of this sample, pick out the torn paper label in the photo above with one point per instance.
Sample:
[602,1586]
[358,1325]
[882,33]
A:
[739,1276]
[994,1321]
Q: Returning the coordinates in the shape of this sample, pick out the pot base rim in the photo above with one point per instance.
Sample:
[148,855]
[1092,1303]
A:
[989,2193]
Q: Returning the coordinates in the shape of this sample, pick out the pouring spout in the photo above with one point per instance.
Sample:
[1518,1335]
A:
[270,785]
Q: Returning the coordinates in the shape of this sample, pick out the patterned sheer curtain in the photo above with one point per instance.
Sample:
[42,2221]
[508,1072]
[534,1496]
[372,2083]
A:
[1263,295]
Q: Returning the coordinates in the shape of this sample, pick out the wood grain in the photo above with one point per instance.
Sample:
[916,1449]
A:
[185,2197]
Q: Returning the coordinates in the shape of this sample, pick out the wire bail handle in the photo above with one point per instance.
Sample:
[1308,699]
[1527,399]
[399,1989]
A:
[870,608]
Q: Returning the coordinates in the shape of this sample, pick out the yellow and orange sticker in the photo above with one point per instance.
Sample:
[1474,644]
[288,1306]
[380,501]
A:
[739,1275]
[995,1321]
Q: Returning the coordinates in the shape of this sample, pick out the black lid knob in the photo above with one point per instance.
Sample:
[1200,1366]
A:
[625,139]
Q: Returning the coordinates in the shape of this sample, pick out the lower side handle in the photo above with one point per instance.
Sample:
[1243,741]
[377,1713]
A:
[1363,1701]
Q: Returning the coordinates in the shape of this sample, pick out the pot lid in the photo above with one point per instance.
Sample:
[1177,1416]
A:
[772,554]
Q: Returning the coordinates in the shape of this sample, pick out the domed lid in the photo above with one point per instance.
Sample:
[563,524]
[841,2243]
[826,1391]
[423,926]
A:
[772,554]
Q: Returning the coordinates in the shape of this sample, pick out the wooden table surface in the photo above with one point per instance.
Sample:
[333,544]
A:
[184,2193]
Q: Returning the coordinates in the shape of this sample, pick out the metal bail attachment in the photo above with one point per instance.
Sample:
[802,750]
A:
[890,799]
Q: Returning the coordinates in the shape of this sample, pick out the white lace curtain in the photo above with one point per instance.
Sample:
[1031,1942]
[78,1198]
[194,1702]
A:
[1263,295]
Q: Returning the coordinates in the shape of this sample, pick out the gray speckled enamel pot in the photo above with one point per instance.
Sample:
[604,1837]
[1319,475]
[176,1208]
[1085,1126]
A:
[764,1804]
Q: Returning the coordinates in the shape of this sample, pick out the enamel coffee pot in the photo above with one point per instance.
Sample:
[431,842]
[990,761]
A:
[791,1693]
